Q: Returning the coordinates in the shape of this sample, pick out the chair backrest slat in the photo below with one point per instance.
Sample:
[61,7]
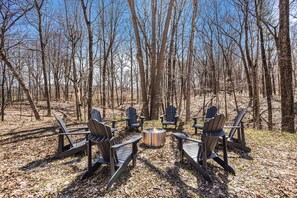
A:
[64,129]
[211,112]
[96,115]
[102,132]
[132,115]
[215,124]
[237,121]
[170,113]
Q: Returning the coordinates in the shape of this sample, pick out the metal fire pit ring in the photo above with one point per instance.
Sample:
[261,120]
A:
[154,137]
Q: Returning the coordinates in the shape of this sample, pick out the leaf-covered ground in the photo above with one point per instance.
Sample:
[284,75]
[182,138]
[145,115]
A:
[27,167]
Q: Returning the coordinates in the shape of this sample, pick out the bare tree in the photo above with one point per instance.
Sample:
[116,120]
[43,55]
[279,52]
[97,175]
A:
[190,59]
[139,59]
[156,90]
[285,66]
[38,6]
[91,56]
[11,13]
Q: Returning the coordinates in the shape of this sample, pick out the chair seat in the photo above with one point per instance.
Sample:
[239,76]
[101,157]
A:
[191,149]
[79,143]
[123,153]
[135,125]
[168,123]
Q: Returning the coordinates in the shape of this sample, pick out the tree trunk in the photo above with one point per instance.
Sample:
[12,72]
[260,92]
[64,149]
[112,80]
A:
[285,66]
[156,94]
[22,84]
[3,91]
[256,107]
[91,58]
[42,47]
[139,59]
[190,58]
[267,88]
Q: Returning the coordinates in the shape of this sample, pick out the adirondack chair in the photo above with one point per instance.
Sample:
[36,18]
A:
[237,125]
[210,113]
[117,156]
[97,115]
[132,121]
[198,152]
[65,150]
[170,117]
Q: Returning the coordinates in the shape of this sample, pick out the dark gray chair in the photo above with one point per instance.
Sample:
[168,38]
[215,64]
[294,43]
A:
[97,115]
[237,125]
[65,150]
[170,118]
[210,113]
[116,156]
[133,121]
[197,152]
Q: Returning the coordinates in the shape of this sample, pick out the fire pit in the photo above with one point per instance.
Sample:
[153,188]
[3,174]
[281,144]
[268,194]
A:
[154,137]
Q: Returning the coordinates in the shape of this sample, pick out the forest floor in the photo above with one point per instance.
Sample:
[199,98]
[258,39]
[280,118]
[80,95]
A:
[27,166]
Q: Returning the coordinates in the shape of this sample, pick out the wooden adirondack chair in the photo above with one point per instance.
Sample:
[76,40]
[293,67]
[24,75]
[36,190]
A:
[117,156]
[239,141]
[132,121]
[198,152]
[97,115]
[210,113]
[73,146]
[170,117]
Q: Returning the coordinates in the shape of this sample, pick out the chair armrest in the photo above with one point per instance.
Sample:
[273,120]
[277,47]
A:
[162,118]
[195,121]
[77,128]
[76,133]
[134,139]
[141,120]
[127,121]
[184,137]
[176,118]
[232,127]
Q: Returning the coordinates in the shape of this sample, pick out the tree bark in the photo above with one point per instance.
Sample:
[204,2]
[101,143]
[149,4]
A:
[285,66]
[190,59]
[91,58]
[268,87]
[139,59]
[155,97]
[42,48]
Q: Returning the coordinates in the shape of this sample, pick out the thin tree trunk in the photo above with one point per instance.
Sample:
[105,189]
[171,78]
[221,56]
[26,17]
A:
[264,64]
[139,59]
[91,58]
[42,47]
[22,84]
[3,91]
[190,58]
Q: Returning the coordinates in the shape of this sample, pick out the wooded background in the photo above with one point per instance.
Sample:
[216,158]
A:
[154,53]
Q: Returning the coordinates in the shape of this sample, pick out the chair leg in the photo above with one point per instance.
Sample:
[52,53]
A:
[118,172]
[61,143]
[91,168]
[89,146]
